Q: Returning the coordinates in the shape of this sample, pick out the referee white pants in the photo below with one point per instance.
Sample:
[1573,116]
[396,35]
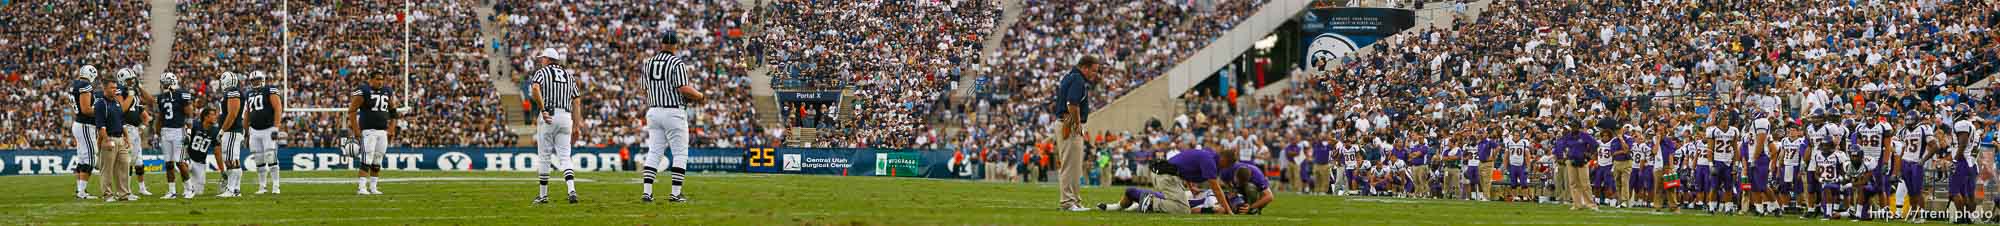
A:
[171,148]
[374,145]
[552,142]
[262,149]
[86,145]
[666,131]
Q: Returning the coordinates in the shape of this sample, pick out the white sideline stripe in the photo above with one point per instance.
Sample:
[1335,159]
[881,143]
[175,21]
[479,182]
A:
[350,180]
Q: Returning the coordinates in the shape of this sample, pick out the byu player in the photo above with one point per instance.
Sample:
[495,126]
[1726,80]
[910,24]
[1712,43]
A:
[373,107]
[555,93]
[232,136]
[265,103]
[668,95]
[202,141]
[135,118]
[173,111]
[82,129]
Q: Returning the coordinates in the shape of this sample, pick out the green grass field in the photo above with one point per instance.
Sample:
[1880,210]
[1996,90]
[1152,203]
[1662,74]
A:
[502,198]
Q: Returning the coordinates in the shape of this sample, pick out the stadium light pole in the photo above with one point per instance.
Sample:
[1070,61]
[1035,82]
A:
[285,47]
[405,18]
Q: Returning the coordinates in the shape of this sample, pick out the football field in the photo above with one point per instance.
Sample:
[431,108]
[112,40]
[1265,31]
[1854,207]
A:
[611,198]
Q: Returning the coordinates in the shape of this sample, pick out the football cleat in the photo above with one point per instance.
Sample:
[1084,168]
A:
[648,198]
[677,198]
[572,197]
[541,199]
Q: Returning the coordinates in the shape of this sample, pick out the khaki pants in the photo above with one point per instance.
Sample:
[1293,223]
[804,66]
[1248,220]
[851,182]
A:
[1070,171]
[1621,172]
[1421,177]
[1578,178]
[1662,195]
[1177,195]
[1452,177]
[116,166]
[1293,180]
[1323,178]
[1486,184]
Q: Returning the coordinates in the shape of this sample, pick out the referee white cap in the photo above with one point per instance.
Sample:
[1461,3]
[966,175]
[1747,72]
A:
[551,53]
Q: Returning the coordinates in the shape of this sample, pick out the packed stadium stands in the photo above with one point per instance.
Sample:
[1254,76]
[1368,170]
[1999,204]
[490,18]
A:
[45,42]
[899,57]
[607,39]
[1140,39]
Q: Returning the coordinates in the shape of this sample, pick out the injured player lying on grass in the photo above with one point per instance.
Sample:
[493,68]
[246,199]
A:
[1247,192]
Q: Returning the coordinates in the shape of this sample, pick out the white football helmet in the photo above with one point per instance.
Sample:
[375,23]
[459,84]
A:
[87,72]
[126,75]
[229,79]
[169,80]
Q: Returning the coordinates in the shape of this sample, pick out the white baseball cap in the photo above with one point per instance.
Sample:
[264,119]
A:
[550,53]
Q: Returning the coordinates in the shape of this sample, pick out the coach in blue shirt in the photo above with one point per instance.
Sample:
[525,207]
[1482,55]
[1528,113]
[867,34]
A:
[112,157]
[1073,105]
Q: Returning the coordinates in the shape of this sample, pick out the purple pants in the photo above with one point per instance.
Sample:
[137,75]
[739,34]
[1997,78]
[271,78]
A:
[1699,182]
[1600,177]
[1518,176]
[1641,179]
[1962,178]
[1913,175]
[1760,175]
[1725,177]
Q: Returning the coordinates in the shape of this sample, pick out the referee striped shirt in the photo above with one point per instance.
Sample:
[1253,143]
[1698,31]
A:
[665,74]
[557,91]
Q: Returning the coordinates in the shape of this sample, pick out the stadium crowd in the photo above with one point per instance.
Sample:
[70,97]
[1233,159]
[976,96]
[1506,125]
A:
[1140,39]
[1766,108]
[332,46]
[45,42]
[454,102]
[900,57]
[604,40]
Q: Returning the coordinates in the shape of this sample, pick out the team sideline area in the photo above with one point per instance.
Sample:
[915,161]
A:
[611,198]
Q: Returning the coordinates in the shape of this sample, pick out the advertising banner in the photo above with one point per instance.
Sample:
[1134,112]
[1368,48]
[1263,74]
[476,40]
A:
[1333,32]
[816,161]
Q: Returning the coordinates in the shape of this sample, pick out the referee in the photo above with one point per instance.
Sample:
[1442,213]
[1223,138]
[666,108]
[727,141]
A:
[1073,105]
[667,94]
[555,93]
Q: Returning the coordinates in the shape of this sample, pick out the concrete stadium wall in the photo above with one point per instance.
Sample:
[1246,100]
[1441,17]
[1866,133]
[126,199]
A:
[1160,97]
